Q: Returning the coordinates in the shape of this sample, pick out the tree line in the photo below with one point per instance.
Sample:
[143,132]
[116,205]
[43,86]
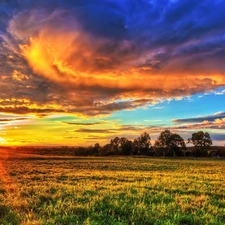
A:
[168,144]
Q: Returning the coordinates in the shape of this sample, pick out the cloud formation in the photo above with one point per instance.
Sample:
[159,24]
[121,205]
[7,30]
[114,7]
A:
[213,122]
[210,118]
[83,124]
[96,57]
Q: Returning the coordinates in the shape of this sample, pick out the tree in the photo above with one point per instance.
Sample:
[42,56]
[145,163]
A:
[115,145]
[142,144]
[171,144]
[105,150]
[202,142]
[96,148]
[125,146]
[121,146]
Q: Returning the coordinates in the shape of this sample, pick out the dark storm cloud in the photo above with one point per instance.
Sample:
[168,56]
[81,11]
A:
[155,22]
[148,23]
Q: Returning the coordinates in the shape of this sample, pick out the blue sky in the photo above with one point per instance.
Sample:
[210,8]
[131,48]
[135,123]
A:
[84,71]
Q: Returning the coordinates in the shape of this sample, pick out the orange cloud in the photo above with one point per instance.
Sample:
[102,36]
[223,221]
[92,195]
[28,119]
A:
[91,68]
[220,121]
[72,59]
[216,124]
[17,75]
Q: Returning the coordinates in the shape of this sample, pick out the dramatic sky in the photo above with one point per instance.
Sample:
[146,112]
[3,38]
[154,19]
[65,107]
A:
[77,72]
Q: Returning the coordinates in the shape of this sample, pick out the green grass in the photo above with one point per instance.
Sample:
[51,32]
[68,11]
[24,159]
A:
[112,190]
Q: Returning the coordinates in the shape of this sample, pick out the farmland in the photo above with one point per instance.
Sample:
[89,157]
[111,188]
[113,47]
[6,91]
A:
[40,189]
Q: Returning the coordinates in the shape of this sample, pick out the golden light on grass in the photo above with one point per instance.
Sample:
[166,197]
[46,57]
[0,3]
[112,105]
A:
[75,190]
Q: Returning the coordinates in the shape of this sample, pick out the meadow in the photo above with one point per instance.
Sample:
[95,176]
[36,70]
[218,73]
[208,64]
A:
[50,190]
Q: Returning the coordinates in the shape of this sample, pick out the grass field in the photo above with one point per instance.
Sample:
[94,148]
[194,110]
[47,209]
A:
[37,189]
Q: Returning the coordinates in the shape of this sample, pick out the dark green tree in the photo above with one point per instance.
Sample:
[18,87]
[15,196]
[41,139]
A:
[96,148]
[142,144]
[171,144]
[105,150]
[125,146]
[202,142]
[114,143]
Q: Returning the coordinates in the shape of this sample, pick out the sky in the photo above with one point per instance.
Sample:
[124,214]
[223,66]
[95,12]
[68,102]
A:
[74,73]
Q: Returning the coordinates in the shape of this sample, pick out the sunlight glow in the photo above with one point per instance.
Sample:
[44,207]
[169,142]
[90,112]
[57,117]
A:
[2,140]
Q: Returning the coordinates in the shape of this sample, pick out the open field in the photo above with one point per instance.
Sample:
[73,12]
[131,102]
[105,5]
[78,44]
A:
[37,189]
